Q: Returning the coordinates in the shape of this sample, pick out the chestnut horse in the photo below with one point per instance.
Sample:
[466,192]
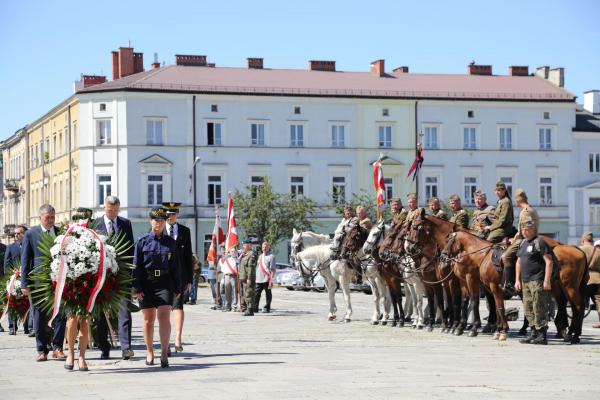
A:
[391,273]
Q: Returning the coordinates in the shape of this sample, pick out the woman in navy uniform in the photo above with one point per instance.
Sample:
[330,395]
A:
[156,281]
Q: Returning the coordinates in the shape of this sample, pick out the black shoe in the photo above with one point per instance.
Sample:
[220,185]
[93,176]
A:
[127,354]
[178,349]
[532,335]
[541,337]
[69,367]
[164,363]
[248,313]
[105,355]
[26,331]
[266,310]
[509,290]
[151,362]
[31,334]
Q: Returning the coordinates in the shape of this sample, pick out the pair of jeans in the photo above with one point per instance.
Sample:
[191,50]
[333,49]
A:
[194,289]
[213,289]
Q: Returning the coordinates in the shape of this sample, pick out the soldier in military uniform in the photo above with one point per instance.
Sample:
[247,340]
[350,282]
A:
[363,220]
[534,272]
[247,275]
[510,255]
[435,209]
[483,214]
[593,256]
[340,231]
[156,282]
[459,214]
[398,212]
[502,226]
[413,210]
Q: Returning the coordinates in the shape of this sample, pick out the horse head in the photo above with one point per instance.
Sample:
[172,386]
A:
[418,235]
[353,240]
[374,237]
[451,249]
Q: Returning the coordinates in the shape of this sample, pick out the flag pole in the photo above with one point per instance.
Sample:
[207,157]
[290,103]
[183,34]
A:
[216,263]
[376,201]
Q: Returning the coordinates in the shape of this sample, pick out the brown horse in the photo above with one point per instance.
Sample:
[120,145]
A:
[391,274]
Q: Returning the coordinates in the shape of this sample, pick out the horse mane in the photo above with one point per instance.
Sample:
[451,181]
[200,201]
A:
[317,251]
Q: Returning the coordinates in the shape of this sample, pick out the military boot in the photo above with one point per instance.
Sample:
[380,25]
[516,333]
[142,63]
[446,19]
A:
[541,337]
[532,335]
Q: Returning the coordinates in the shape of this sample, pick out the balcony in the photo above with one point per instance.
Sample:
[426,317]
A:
[11,185]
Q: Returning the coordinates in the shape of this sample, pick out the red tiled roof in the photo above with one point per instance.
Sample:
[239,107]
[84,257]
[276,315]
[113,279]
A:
[289,82]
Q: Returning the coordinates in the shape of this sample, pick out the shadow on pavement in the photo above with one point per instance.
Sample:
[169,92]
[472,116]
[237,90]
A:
[176,367]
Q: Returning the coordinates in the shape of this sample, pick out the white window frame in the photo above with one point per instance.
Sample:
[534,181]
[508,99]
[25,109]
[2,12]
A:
[296,142]
[542,145]
[265,133]
[473,187]
[104,187]
[383,141]
[337,143]
[99,140]
[438,129]
[389,188]
[149,168]
[335,199]
[295,185]
[594,163]
[155,183]
[214,184]
[543,190]
[477,137]
[508,172]
[470,172]
[512,136]
[155,120]
[593,214]
[221,133]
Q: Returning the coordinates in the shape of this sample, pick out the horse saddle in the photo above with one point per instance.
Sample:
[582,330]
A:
[497,252]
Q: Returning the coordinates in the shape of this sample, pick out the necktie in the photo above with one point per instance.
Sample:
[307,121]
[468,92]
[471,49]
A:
[113,226]
[172,231]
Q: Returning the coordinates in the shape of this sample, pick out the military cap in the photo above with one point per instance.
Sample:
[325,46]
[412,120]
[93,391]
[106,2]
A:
[521,193]
[587,236]
[171,207]
[411,196]
[158,213]
[434,200]
[247,241]
[500,185]
[85,213]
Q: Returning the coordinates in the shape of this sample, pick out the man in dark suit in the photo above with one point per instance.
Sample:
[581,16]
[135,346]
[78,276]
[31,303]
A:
[183,241]
[30,259]
[13,253]
[111,224]
[2,272]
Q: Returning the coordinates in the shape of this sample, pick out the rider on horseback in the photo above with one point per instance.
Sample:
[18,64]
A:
[502,226]
[347,220]
[482,215]
[459,216]
[436,210]
[398,212]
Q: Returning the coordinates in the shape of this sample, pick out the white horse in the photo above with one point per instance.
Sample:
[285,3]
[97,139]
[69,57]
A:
[381,292]
[416,289]
[314,258]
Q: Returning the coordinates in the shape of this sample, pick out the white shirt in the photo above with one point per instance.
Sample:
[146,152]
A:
[107,222]
[224,268]
[44,230]
[266,261]
[175,230]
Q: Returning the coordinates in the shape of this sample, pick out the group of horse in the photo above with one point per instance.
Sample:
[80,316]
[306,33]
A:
[436,259]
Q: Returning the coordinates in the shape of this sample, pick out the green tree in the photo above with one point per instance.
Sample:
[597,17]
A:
[368,200]
[272,216]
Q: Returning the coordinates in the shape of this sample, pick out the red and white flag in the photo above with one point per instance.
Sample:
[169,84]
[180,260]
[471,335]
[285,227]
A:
[379,183]
[232,235]
[214,252]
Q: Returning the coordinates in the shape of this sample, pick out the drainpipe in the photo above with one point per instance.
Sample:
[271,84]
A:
[194,170]
[70,165]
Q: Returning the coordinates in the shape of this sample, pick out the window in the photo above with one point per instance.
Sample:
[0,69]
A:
[385,136]
[595,163]
[75,134]
[385,112]
[337,135]
[431,187]
[470,138]
[431,137]
[297,110]
[505,138]
[104,187]
[508,181]
[102,106]
[154,132]
[546,114]
[546,191]
[255,182]
[155,190]
[545,138]
[55,195]
[470,187]
[67,139]
[214,108]
[297,186]
[60,195]
[338,189]
[54,152]
[296,135]
[389,188]
[594,211]
[214,190]
[61,144]
[470,114]
[257,133]
[104,134]
[213,133]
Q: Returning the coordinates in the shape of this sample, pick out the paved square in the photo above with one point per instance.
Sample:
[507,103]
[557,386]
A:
[295,353]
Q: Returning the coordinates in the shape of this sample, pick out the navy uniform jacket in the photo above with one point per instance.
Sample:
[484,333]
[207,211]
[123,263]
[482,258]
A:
[123,225]
[30,253]
[152,253]
[13,252]
[184,250]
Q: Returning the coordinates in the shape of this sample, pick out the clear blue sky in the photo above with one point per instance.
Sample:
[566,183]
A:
[46,45]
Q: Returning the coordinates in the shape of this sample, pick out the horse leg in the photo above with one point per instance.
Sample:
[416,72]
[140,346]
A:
[430,308]
[331,288]
[387,304]
[400,309]
[345,277]
[376,297]
[502,325]
[408,303]
[575,297]
[438,292]
[492,321]
[474,290]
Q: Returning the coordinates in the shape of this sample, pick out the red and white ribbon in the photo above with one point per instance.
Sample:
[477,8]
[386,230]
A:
[11,287]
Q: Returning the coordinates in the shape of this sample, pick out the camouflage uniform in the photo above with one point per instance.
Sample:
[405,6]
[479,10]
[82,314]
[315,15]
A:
[460,218]
[535,304]
[502,226]
[247,271]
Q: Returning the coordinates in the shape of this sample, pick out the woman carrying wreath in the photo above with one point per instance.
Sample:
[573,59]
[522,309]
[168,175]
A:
[156,282]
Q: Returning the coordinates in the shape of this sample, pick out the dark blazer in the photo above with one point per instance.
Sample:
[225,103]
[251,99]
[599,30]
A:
[184,253]
[30,254]
[13,252]
[2,254]
[123,225]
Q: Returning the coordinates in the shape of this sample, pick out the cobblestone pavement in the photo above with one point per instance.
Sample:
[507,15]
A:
[295,353]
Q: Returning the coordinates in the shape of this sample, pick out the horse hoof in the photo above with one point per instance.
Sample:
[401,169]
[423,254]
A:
[374,322]
[473,333]
[394,323]
[502,337]
[568,338]
[346,320]
[458,332]
[496,336]
[331,317]
[487,329]
[575,340]
[561,334]
[401,324]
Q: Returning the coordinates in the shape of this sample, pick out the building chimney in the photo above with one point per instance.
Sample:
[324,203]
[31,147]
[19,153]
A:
[556,76]
[319,65]
[378,68]
[115,66]
[542,72]
[474,69]
[591,101]
[91,80]
[254,63]
[211,65]
[518,70]
[126,66]
[138,62]
[400,70]
[190,60]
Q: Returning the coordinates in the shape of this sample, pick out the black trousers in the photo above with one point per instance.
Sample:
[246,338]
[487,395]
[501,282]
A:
[47,338]
[124,322]
[258,291]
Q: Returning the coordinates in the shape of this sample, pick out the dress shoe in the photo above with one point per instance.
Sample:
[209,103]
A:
[178,349]
[248,313]
[105,355]
[266,310]
[164,362]
[212,308]
[192,303]
[58,354]
[127,354]
[31,334]
[82,367]
[41,357]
